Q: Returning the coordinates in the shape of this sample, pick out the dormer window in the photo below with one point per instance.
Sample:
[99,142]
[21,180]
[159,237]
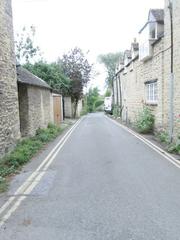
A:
[151,31]
[127,59]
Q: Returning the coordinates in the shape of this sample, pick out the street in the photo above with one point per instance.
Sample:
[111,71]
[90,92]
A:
[104,184]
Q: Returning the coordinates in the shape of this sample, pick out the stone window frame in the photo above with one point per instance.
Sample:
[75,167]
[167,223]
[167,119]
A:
[151,92]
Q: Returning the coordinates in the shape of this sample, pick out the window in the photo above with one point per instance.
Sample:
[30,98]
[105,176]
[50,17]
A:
[151,92]
[152,30]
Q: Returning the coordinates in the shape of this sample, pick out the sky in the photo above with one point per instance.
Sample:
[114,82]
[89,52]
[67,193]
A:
[97,26]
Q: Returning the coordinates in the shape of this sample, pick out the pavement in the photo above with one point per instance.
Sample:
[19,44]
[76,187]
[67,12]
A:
[103,184]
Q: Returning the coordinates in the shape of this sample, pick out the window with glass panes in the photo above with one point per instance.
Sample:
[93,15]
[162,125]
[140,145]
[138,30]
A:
[151,92]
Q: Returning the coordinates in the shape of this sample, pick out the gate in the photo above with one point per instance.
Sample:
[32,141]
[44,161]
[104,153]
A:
[57,109]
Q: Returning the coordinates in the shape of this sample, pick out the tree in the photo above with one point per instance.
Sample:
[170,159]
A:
[110,62]
[25,48]
[77,68]
[107,93]
[94,100]
[52,74]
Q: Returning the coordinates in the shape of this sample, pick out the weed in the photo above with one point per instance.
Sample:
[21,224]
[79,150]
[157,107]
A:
[145,121]
[116,111]
[24,151]
[163,136]
[174,147]
[3,184]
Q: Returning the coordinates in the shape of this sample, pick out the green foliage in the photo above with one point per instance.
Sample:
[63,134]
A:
[110,61]
[100,108]
[163,136]
[77,68]
[145,121]
[107,93]
[175,146]
[94,100]
[98,103]
[3,184]
[52,73]
[24,151]
[46,135]
[25,49]
[116,111]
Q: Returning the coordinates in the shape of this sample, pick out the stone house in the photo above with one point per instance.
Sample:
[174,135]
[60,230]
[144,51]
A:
[9,110]
[144,77]
[35,102]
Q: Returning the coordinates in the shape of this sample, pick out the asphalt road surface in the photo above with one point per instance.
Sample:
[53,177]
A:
[104,184]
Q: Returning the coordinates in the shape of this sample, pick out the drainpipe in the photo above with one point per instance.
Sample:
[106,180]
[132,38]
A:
[117,93]
[113,91]
[171,79]
[120,92]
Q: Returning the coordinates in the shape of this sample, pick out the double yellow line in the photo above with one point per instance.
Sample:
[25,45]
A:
[157,149]
[26,188]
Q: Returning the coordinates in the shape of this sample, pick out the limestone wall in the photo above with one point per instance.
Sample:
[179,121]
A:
[35,108]
[9,113]
[134,89]
[67,107]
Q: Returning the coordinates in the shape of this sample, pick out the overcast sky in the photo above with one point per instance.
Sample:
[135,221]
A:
[100,26]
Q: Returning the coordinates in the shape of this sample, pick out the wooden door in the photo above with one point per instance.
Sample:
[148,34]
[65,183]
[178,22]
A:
[57,109]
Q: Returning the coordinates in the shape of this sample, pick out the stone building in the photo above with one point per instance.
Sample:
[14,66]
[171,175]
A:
[9,111]
[35,102]
[145,79]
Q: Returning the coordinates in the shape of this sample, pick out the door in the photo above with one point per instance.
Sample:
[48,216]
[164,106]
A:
[57,109]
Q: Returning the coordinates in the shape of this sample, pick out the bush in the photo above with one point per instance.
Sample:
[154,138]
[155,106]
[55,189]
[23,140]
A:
[145,121]
[98,104]
[163,136]
[175,147]
[116,111]
[100,108]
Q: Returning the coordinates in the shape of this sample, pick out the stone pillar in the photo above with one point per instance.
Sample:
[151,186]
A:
[9,109]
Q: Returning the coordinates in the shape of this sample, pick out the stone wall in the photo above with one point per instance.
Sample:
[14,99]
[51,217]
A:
[9,113]
[35,108]
[133,86]
[79,108]
[67,107]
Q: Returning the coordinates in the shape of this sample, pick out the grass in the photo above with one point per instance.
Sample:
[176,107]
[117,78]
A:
[24,151]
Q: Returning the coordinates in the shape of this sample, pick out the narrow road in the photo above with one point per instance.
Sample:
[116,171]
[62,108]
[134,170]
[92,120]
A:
[104,184]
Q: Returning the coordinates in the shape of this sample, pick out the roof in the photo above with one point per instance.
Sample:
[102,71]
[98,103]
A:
[26,77]
[158,14]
